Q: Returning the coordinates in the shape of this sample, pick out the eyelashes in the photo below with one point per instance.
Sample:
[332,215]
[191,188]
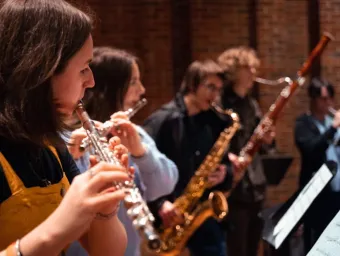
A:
[85,70]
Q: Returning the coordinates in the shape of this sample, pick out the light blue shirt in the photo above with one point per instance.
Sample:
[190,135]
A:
[155,175]
[333,151]
[158,173]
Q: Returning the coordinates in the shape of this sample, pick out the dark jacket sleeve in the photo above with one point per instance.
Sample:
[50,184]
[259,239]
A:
[153,124]
[312,146]
[310,142]
[228,180]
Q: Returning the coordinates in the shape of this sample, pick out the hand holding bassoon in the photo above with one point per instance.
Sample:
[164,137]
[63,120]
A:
[256,140]
[249,150]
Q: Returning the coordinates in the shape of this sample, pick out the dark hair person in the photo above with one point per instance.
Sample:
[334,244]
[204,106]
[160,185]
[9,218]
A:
[185,130]
[45,50]
[316,137]
[119,88]
[112,70]
[240,66]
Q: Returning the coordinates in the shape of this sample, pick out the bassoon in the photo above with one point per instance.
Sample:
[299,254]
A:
[251,148]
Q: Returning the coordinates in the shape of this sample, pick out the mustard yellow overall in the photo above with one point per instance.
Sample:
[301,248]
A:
[27,207]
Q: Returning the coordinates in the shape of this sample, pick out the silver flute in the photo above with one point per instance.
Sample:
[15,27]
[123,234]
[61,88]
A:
[137,210]
[332,111]
[108,125]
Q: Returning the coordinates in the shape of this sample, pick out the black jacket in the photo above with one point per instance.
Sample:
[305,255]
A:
[312,146]
[186,140]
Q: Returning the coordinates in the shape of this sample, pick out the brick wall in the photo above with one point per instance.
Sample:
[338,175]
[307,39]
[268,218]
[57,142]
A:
[283,46]
[142,27]
[216,26]
[329,14]
[146,27]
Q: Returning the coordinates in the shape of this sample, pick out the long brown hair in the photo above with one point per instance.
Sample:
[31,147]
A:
[37,39]
[112,70]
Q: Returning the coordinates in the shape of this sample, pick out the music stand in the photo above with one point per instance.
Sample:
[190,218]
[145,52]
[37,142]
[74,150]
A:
[275,167]
[328,242]
[280,221]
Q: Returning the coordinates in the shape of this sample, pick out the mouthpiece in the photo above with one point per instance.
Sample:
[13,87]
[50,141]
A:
[84,117]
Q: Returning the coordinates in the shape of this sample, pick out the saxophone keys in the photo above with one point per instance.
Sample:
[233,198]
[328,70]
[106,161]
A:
[178,228]
[179,231]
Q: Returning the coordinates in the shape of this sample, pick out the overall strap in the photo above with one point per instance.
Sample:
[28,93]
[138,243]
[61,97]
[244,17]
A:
[55,153]
[14,182]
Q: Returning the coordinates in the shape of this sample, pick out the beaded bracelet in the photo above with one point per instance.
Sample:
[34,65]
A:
[102,216]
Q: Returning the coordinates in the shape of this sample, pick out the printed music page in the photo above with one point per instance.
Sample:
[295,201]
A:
[328,243]
[279,232]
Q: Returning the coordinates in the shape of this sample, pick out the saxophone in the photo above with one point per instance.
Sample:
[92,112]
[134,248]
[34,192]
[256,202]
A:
[174,239]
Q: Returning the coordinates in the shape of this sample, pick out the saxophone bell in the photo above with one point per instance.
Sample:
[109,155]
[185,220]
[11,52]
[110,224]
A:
[218,205]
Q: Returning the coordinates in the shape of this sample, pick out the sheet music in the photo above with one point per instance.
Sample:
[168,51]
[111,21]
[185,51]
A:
[300,205]
[328,243]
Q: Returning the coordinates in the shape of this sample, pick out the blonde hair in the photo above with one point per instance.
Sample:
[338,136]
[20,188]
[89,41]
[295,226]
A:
[234,58]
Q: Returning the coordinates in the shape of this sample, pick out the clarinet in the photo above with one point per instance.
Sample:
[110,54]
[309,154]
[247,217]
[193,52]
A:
[137,210]
[108,125]
[255,141]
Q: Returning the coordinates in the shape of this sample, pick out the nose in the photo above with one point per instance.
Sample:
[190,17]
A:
[141,88]
[90,80]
